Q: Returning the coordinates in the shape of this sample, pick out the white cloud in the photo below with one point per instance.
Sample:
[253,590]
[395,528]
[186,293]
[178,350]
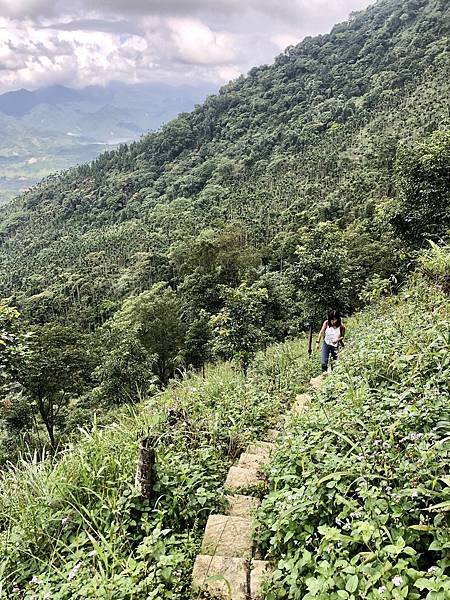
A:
[26,8]
[195,43]
[44,41]
[283,40]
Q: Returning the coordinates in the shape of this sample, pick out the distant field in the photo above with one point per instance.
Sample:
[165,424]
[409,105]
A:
[55,128]
[21,171]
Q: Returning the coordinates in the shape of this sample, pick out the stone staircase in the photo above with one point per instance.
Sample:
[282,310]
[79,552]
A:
[227,568]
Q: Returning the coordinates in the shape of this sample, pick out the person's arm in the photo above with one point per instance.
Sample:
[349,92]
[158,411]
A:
[342,330]
[321,332]
[342,333]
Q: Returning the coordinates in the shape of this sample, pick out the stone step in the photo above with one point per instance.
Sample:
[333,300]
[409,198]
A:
[242,506]
[316,382]
[242,478]
[260,569]
[228,536]
[252,461]
[260,448]
[222,577]
[272,435]
[300,403]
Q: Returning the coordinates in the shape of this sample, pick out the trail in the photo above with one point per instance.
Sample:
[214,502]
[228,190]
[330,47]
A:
[228,567]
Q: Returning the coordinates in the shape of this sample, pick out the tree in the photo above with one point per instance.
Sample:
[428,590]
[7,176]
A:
[212,259]
[56,368]
[280,319]
[319,271]
[423,184]
[239,327]
[15,413]
[125,374]
[12,346]
[154,317]
[197,345]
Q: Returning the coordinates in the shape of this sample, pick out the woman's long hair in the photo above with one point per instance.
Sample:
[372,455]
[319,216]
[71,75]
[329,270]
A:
[334,314]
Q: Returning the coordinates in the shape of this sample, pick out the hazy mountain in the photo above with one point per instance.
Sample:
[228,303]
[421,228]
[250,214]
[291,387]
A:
[56,127]
[20,102]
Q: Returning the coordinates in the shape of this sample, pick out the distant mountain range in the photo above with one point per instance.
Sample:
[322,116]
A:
[57,127]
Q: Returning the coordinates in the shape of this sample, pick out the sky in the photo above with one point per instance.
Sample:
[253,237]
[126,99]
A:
[81,42]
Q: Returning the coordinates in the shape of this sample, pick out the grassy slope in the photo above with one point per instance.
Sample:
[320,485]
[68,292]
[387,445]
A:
[73,527]
[360,491]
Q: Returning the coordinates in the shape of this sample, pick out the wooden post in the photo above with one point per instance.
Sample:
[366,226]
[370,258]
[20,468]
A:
[310,338]
[144,472]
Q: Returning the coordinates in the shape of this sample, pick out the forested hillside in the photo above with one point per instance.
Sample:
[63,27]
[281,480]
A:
[311,139]
[307,184]
[159,292]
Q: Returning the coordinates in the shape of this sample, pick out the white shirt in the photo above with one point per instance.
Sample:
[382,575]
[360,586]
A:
[331,336]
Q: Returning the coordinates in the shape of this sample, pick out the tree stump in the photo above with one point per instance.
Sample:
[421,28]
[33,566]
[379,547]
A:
[146,461]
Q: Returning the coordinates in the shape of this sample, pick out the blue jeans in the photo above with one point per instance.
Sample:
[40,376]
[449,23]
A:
[328,351]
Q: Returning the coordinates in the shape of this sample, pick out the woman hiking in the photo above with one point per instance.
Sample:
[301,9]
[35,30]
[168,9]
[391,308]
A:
[333,331]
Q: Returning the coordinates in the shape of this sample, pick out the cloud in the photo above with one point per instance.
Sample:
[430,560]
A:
[276,10]
[36,8]
[283,40]
[26,8]
[118,26]
[49,41]
[195,43]
[32,57]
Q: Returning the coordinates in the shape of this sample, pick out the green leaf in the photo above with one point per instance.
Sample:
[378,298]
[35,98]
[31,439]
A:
[423,584]
[336,475]
[314,585]
[442,506]
[290,534]
[435,545]
[352,583]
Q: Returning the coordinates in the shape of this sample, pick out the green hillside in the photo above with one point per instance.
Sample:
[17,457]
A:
[358,494]
[164,290]
[359,490]
[308,184]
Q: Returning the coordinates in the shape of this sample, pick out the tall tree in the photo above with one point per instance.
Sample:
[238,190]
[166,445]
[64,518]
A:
[423,182]
[154,317]
[197,346]
[239,327]
[57,368]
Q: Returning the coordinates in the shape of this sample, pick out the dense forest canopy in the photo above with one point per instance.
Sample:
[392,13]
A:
[307,184]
